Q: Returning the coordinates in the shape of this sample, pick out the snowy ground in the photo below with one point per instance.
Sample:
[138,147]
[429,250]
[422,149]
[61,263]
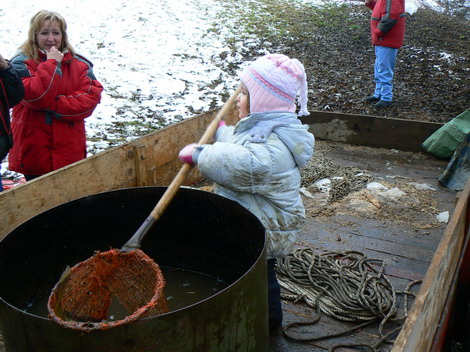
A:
[158,64]
[145,53]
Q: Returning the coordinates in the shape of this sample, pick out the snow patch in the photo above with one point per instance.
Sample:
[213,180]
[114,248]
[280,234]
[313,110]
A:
[443,217]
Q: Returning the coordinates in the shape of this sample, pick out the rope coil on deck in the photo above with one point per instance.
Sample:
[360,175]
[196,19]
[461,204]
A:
[346,286]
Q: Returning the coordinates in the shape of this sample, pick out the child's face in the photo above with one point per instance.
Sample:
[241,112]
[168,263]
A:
[243,103]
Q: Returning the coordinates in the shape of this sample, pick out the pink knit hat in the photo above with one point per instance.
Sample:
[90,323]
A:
[273,81]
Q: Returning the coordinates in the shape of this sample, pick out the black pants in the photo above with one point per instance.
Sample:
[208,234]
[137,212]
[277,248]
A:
[274,297]
[5,145]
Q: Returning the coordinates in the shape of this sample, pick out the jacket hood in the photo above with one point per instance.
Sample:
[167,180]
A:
[286,126]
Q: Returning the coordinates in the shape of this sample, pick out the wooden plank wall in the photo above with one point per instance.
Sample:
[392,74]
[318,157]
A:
[420,327]
[148,161]
[109,170]
[371,131]
[151,160]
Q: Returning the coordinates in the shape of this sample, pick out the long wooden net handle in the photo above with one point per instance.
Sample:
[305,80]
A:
[170,192]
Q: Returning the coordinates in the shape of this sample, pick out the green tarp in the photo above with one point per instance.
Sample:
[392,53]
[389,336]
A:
[443,142]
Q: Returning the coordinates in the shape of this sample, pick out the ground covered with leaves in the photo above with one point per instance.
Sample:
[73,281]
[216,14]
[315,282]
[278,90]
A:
[432,73]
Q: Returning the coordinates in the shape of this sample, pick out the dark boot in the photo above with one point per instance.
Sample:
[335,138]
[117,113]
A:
[274,298]
[371,99]
[383,104]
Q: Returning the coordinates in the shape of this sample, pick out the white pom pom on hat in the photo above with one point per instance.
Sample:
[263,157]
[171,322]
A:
[273,82]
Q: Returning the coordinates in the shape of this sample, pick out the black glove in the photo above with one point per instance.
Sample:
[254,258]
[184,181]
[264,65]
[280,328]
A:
[386,24]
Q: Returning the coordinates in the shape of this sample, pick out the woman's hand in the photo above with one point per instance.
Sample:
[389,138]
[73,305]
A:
[55,54]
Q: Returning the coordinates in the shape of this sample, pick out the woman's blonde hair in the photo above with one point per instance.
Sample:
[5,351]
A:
[30,47]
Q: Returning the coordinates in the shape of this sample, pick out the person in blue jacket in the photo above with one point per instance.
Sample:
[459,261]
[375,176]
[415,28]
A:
[257,162]
[11,93]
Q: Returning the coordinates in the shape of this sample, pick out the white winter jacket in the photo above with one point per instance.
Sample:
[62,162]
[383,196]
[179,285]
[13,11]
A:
[256,163]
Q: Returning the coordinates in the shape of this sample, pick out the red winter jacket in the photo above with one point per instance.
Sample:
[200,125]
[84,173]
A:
[387,24]
[48,125]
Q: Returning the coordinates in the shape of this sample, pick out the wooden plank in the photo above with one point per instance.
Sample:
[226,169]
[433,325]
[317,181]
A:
[140,158]
[451,316]
[403,236]
[373,131]
[156,164]
[157,154]
[395,249]
[107,171]
[420,327]
[327,326]
[400,233]
[403,268]
[399,260]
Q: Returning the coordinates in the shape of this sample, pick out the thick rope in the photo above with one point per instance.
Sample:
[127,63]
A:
[346,286]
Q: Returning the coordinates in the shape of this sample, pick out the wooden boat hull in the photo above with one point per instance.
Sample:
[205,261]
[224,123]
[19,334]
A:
[152,160]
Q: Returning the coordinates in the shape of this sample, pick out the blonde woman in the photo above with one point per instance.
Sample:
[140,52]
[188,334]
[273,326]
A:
[60,92]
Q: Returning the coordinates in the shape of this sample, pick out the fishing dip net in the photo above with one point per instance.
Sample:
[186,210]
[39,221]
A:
[109,289]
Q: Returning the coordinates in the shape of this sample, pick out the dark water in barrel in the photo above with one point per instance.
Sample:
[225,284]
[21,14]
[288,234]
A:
[183,288]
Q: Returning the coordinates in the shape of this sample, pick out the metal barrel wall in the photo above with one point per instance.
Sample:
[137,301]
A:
[199,231]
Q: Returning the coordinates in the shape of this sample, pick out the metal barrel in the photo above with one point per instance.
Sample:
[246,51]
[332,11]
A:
[199,231]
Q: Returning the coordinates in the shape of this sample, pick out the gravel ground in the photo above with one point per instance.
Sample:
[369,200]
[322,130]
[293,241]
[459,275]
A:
[432,76]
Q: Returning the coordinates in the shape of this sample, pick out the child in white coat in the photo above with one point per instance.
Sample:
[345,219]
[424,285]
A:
[257,162]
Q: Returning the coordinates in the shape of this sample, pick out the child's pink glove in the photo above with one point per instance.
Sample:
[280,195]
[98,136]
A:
[186,154]
[222,123]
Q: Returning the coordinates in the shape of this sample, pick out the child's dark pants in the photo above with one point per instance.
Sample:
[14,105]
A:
[274,297]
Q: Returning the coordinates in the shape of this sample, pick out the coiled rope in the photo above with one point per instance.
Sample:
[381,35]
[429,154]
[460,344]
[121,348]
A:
[346,286]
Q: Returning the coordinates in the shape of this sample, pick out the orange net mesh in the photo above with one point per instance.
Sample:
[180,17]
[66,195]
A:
[109,289]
